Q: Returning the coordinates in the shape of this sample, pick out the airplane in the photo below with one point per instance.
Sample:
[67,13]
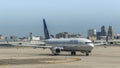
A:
[66,44]
[104,42]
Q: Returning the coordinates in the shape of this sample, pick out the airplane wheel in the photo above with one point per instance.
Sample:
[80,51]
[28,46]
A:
[73,53]
[56,54]
[87,54]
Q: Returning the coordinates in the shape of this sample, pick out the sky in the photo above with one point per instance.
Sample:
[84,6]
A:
[19,17]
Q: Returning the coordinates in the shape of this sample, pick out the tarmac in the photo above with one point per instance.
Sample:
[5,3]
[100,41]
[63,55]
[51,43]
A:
[28,57]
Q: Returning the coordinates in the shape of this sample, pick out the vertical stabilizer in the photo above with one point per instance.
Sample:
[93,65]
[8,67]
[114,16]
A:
[46,33]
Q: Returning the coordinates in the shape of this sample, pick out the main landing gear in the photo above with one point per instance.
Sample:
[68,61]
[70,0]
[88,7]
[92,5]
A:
[87,53]
[73,53]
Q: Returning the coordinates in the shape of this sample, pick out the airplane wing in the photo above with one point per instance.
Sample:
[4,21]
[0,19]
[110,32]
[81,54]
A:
[44,47]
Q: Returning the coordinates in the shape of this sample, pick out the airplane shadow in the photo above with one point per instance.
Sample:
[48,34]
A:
[61,55]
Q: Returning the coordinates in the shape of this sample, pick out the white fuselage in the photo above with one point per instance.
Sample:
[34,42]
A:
[71,44]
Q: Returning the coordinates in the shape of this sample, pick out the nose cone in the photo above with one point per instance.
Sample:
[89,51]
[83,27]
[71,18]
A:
[91,45]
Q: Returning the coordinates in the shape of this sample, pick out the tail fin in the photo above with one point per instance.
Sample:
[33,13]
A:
[46,33]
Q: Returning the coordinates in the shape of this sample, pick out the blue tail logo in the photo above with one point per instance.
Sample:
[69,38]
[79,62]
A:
[46,33]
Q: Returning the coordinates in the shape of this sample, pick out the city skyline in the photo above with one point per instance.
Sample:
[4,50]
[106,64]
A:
[75,16]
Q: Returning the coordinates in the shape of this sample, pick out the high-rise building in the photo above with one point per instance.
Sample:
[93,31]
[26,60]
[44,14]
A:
[98,35]
[103,31]
[110,33]
[92,34]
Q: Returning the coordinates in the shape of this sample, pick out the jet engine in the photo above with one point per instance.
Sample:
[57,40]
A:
[56,50]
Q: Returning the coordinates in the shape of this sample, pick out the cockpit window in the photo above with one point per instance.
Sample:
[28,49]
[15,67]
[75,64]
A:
[88,42]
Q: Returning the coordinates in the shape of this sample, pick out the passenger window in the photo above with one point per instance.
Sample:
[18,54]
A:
[74,42]
[80,42]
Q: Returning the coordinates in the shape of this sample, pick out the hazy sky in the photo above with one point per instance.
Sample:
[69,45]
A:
[19,17]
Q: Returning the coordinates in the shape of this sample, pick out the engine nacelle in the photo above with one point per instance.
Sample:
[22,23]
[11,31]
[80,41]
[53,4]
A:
[56,50]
